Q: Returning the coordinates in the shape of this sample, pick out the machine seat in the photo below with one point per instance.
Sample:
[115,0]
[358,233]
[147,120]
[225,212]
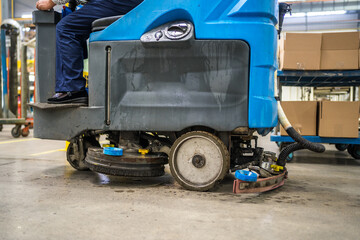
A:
[102,23]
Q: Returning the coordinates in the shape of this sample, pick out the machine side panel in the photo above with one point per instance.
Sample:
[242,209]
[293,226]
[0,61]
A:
[170,88]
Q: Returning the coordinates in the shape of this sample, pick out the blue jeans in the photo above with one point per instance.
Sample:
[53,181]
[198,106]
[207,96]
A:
[71,35]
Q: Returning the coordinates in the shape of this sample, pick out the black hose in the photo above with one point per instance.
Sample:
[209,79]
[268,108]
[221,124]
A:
[287,151]
[301,143]
[315,147]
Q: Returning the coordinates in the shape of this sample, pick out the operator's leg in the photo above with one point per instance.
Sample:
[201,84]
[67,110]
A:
[72,31]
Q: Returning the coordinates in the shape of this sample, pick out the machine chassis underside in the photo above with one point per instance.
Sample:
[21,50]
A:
[199,157]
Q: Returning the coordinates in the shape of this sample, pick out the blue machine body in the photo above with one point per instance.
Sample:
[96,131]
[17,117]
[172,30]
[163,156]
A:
[253,21]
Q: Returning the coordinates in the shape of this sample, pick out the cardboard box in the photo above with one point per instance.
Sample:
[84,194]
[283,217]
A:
[302,116]
[301,41]
[300,51]
[340,41]
[300,60]
[359,58]
[339,59]
[339,119]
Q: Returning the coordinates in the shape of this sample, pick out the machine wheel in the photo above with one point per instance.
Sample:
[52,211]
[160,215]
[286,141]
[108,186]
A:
[15,131]
[77,150]
[341,147]
[198,160]
[354,151]
[25,132]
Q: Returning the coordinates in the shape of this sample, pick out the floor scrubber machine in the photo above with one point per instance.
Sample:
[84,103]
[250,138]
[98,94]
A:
[181,82]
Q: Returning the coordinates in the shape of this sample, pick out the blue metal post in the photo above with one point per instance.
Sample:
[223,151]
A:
[4,72]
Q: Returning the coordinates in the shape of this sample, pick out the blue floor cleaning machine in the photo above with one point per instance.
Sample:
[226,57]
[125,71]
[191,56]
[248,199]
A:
[181,82]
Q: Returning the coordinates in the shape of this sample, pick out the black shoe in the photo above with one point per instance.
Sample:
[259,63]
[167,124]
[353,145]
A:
[69,97]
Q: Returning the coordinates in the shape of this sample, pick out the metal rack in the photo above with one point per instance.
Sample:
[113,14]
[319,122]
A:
[10,80]
[319,79]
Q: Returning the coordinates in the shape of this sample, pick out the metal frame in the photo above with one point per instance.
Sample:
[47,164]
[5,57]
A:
[319,78]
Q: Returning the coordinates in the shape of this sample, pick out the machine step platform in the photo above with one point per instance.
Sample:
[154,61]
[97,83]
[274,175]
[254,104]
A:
[56,106]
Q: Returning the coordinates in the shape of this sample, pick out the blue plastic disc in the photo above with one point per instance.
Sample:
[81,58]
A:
[112,151]
[246,176]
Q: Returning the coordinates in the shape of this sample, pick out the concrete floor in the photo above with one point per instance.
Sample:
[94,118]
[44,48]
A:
[42,197]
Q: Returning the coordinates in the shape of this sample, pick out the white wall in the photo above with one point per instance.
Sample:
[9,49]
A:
[348,21]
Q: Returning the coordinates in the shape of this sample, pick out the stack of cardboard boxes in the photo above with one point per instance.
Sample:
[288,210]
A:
[320,51]
[323,118]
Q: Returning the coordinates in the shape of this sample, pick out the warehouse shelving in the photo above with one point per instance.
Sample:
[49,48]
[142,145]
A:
[319,79]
